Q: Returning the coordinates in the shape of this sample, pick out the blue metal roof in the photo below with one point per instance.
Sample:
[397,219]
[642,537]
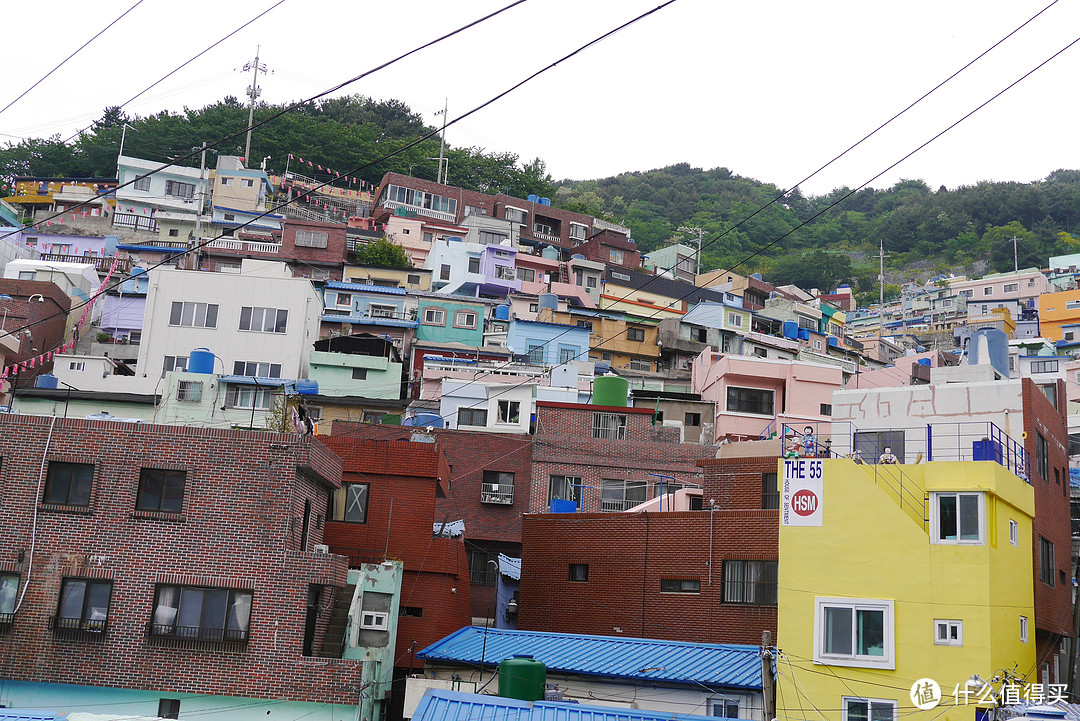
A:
[442,705]
[357,320]
[340,285]
[252,381]
[510,567]
[645,659]
[14,714]
[155,248]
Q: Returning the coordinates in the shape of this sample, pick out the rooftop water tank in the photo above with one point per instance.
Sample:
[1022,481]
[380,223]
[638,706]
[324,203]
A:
[533,197]
[804,334]
[834,342]
[454,239]
[545,201]
[610,391]
[47,380]
[502,312]
[307,387]
[923,361]
[522,677]
[201,360]
[577,256]
[756,276]
[425,419]
[550,252]
[791,330]
[547,300]
[601,367]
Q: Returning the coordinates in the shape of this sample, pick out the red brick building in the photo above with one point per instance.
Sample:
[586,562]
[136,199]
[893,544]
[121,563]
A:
[165,561]
[45,318]
[488,487]
[706,575]
[312,249]
[612,248]
[386,509]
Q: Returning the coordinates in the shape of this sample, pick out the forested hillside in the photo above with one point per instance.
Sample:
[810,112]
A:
[812,241]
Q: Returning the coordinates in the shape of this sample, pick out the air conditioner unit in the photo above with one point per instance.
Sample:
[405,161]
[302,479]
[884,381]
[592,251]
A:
[322,548]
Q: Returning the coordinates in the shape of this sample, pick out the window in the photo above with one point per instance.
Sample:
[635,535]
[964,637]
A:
[577,231]
[9,592]
[230,217]
[444,272]
[194,613]
[636,334]
[474,265]
[1046,561]
[411,611]
[174,363]
[590,281]
[250,397]
[1023,629]
[854,632]
[825,409]
[1014,532]
[482,567]
[27,274]
[543,229]
[434,316]
[565,488]
[380,310]
[69,483]
[311,239]
[610,426]
[350,503]
[957,518]
[988,290]
[179,190]
[226,181]
[567,353]
[264,320]
[618,494]
[586,324]
[343,299]
[1011,287]
[526,274]
[374,620]
[607,356]
[967,293]
[256,370]
[168,708]
[770,492]
[509,411]
[948,633]
[498,487]
[84,605]
[536,352]
[579,572]
[174,232]
[161,490]
[867,709]
[750,400]
[534,307]
[516,215]
[248,182]
[752,582]
[807,323]
[817,344]
[77,365]
[1044,366]
[142,183]
[680,585]
[616,256]
[735,320]
[464,319]
[359,374]
[475,210]
[195,315]
[472,417]
[692,419]
[412,279]
[723,707]
[1042,456]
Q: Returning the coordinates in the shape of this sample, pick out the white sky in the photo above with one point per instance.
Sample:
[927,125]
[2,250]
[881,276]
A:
[769,90]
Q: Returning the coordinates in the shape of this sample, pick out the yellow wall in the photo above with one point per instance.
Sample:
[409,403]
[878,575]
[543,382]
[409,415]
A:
[365,274]
[1053,313]
[610,336]
[641,302]
[868,547]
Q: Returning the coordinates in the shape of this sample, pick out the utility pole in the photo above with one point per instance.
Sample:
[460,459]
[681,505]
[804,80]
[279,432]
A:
[442,143]
[881,287]
[253,92]
[768,687]
[202,195]
[700,232]
[1016,264]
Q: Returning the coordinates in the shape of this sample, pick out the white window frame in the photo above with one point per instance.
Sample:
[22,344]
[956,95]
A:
[511,408]
[438,318]
[724,702]
[870,702]
[886,661]
[935,519]
[949,626]
[735,320]
[578,231]
[1011,288]
[1023,629]
[374,620]
[311,239]
[988,290]
[458,323]
[77,366]
[1014,533]
[382,310]
[226,181]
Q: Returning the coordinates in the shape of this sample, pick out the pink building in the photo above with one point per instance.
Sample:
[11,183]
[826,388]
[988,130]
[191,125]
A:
[755,397]
[908,370]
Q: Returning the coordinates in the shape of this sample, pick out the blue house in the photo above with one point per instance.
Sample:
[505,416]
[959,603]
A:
[548,344]
[664,679]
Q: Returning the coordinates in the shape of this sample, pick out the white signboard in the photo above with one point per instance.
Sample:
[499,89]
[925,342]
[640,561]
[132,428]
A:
[802,493]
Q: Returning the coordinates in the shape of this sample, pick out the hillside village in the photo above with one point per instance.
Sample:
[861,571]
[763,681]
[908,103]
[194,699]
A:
[244,472]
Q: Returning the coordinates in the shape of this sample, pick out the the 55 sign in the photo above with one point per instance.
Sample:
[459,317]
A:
[802,494]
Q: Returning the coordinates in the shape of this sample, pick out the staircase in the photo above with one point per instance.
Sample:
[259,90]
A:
[908,495]
[333,644]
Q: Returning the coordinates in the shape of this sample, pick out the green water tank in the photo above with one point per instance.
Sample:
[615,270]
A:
[610,391]
[523,678]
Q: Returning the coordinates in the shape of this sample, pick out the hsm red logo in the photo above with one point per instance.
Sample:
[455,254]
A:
[804,502]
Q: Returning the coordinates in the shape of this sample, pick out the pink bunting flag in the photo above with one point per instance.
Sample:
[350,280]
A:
[290,156]
[319,167]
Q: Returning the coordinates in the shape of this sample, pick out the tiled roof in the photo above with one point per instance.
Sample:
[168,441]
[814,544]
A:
[666,287]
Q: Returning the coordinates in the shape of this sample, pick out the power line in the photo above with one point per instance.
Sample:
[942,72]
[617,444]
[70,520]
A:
[69,57]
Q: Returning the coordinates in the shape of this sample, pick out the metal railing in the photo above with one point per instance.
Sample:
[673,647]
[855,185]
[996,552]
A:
[359,556]
[101,264]
[250,246]
[438,214]
[135,222]
[198,633]
[608,505]
[499,493]
[78,627]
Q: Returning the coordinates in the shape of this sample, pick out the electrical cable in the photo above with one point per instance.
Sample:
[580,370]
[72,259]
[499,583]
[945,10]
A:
[69,57]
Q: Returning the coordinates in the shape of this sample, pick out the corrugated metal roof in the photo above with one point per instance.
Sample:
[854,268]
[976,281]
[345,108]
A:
[510,567]
[385,289]
[14,714]
[442,705]
[729,665]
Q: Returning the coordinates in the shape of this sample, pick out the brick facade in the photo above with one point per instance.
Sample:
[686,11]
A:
[403,480]
[240,528]
[305,262]
[629,554]
[45,319]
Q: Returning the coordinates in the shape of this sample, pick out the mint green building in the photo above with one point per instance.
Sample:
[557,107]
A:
[363,365]
[451,319]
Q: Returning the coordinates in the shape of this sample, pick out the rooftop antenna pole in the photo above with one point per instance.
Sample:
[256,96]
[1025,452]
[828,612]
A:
[442,143]
[253,92]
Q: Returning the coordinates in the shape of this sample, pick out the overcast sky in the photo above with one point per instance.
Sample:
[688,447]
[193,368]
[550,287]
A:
[770,90]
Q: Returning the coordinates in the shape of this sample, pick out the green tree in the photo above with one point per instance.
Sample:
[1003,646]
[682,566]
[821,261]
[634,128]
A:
[384,253]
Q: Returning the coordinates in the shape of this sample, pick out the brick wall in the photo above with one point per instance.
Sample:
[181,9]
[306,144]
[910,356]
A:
[240,528]
[46,320]
[403,478]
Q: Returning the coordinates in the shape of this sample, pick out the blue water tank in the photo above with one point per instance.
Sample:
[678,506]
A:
[923,361]
[201,360]
[548,300]
[545,201]
[47,380]
[425,419]
[756,276]
[577,256]
[136,271]
[804,334]
[455,239]
[502,312]
[834,342]
[601,367]
[533,197]
[791,330]
[307,387]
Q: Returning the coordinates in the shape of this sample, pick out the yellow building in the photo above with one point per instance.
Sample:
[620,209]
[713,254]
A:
[889,574]
[1056,310]
[411,278]
[622,343]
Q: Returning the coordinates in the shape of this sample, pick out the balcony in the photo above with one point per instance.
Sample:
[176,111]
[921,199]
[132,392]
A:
[100,264]
[497,493]
[618,505]
[244,246]
[200,634]
[437,214]
[78,628]
[135,222]
[6,619]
